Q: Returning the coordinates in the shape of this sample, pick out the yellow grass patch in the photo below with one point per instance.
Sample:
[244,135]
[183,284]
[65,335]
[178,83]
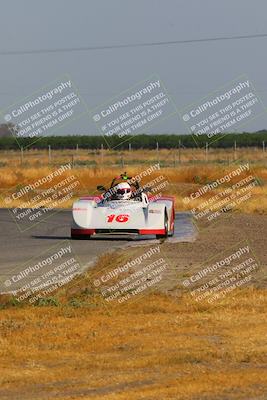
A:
[156,348]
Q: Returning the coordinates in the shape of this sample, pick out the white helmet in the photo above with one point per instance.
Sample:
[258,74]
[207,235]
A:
[123,191]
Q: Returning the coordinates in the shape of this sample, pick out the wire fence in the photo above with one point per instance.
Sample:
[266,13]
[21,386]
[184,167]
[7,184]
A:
[116,158]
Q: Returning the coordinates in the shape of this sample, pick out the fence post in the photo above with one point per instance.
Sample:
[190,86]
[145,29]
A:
[235,150]
[206,150]
[21,155]
[49,154]
[263,146]
[179,152]
[102,154]
[157,150]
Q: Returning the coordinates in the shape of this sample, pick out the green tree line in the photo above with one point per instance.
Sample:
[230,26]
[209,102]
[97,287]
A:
[244,139]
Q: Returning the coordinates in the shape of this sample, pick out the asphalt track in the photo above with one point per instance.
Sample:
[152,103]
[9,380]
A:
[16,247]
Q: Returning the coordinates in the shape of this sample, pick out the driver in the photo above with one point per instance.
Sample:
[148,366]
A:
[123,191]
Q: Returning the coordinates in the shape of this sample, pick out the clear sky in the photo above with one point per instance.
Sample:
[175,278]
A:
[189,70]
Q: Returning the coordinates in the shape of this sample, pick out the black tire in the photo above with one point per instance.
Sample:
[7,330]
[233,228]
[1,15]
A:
[171,233]
[165,235]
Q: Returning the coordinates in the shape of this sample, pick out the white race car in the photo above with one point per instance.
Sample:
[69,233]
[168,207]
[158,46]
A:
[124,208]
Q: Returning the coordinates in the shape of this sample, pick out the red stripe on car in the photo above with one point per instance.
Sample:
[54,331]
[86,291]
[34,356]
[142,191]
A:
[151,231]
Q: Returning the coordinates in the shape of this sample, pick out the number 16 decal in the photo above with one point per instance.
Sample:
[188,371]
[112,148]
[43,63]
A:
[118,218]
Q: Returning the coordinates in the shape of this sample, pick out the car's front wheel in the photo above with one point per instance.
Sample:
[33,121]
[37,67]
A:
[165,234]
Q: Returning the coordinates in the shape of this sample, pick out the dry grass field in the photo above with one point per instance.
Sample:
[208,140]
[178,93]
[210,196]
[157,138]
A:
[159,347]
[186,171]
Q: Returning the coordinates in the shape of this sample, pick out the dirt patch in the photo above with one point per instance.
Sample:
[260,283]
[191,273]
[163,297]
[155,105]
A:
[217,241]
[188,260]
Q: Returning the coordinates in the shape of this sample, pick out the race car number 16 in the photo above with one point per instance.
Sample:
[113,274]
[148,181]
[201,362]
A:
[118,218]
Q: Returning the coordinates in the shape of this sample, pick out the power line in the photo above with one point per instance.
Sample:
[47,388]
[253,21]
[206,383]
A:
[200,93]
[122,46]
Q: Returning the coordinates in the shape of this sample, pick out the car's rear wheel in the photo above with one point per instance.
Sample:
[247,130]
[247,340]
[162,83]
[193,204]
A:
[165,235]
[171,233]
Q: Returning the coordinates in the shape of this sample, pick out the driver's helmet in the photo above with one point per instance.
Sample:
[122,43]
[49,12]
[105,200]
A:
[123,191]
